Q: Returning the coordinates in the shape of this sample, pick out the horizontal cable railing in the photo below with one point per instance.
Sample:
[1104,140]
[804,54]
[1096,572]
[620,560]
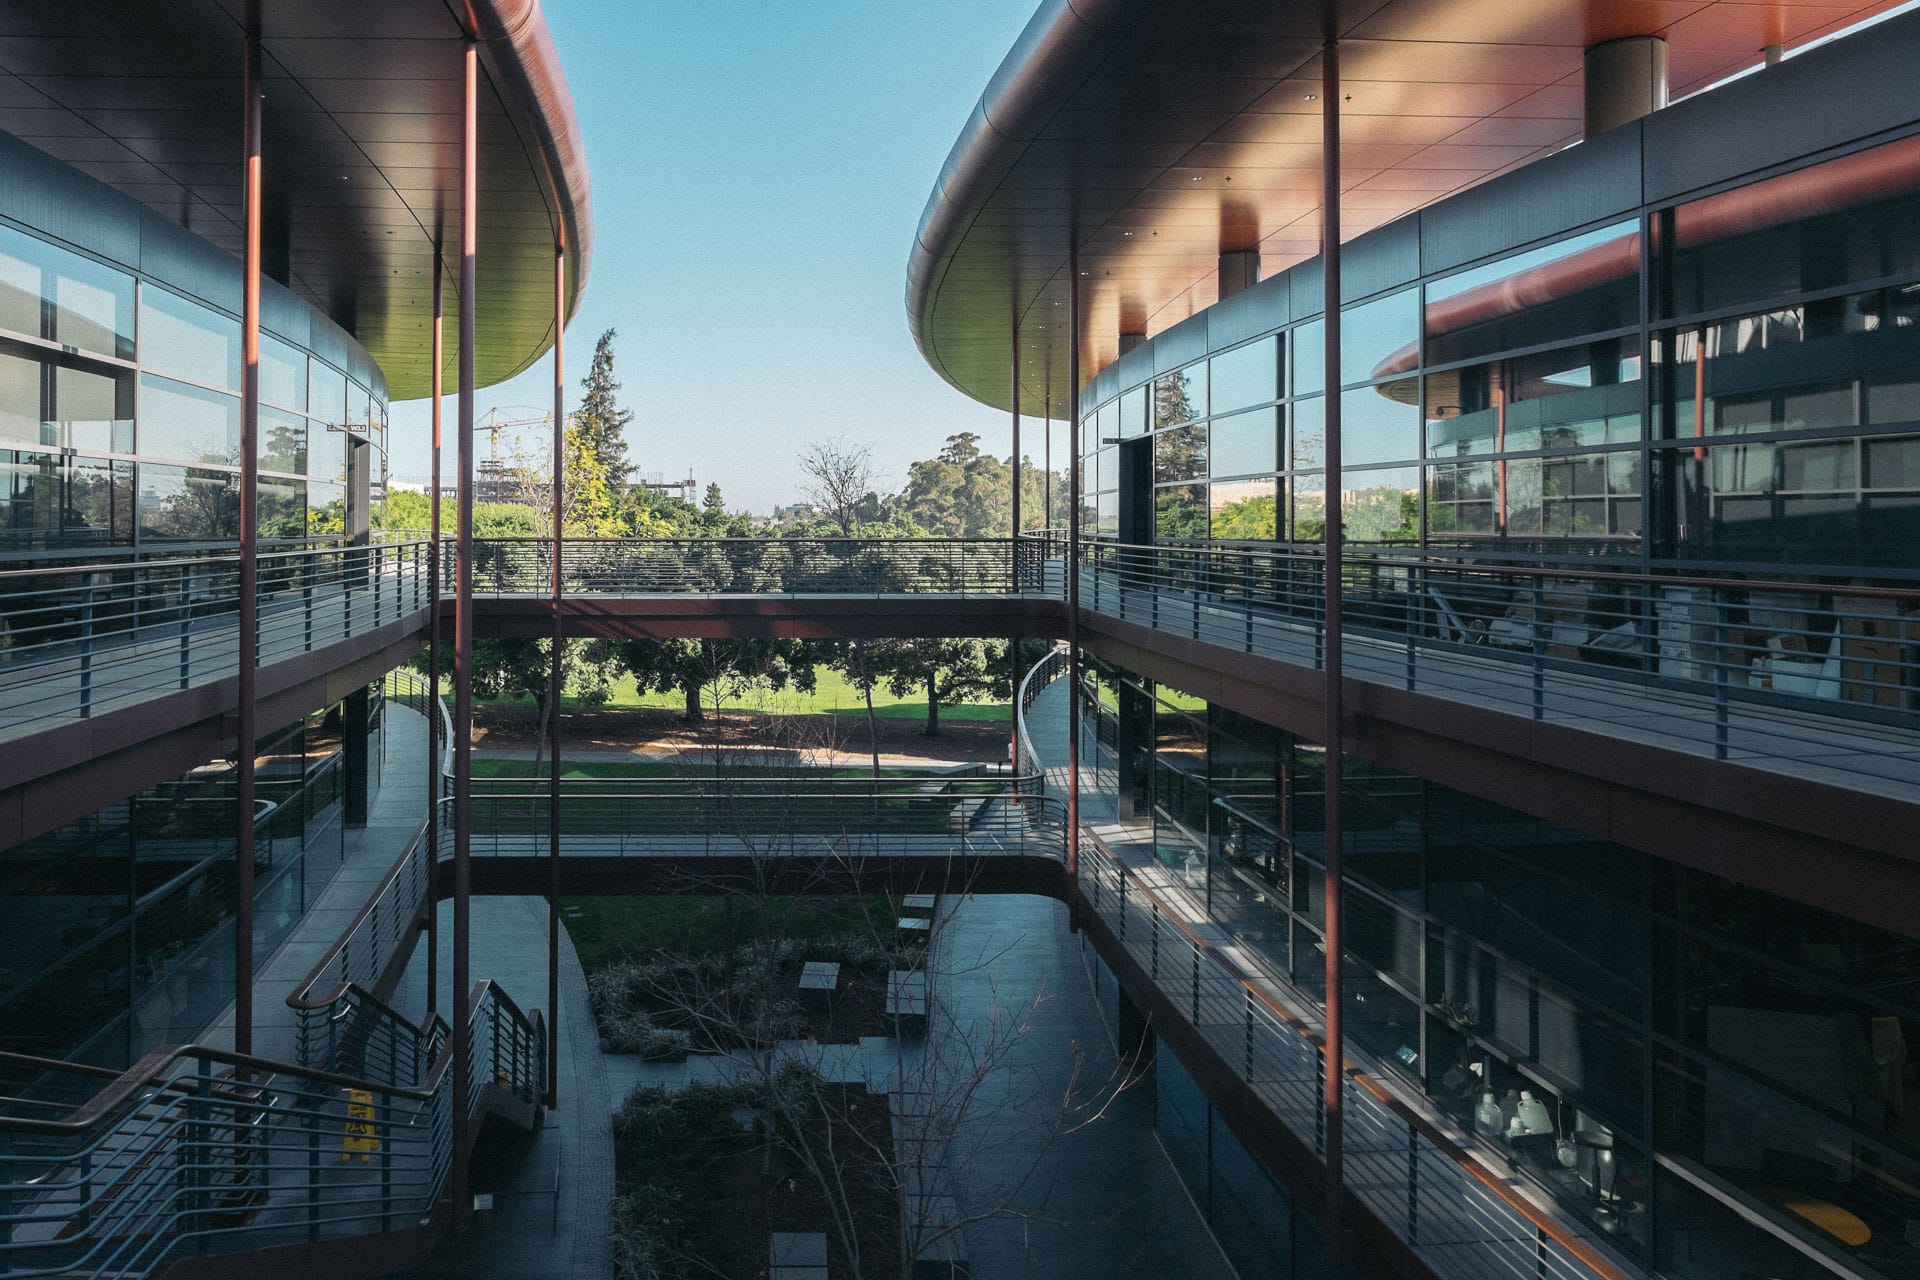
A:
[1772,673]
[77,641]
[774,817]
[197,1151]
[1411,1175]
[1044,673]
[755,566]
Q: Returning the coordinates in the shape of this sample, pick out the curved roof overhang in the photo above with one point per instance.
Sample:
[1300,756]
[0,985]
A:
[1162,133]
[361,154]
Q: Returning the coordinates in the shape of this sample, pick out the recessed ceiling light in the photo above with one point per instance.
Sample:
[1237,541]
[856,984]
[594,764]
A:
[1313,97]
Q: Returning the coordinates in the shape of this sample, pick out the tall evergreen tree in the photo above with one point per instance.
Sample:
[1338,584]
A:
[600,423]
[713,504]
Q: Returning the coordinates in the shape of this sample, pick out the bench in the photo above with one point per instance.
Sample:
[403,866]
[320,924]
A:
[906,1005]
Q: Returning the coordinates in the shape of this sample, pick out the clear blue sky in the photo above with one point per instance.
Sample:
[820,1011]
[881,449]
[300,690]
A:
[758,171]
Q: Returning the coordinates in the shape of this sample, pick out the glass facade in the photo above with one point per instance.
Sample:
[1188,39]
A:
[1703,1072]
[119,932]
[1729,380]
[120,413]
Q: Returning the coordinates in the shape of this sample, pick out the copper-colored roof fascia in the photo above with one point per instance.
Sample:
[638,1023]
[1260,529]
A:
[1056,51]
[518,46]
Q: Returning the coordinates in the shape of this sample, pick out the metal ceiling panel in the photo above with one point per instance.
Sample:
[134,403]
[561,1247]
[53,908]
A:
[361,157]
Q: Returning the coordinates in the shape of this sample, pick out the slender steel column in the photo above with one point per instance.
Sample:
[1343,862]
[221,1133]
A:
[463,651]
[245,728]
[1073,555]
[433,639]
[1046,455]
[1330,301]
[1013,641]
[553,687]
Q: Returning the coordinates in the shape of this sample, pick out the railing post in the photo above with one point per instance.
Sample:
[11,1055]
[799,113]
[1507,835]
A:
[310,1116]
[199,1145]
[186,613]
[1154,944]
[382,1111]
[1538,632]
[1247,1066]
[306,602]
[1196,986]
[1413,1185]
[1416,610]
[1720,676]
[1319,1100]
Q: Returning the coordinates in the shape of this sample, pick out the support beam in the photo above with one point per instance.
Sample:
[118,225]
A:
[246,748]
[1013,552]
[463,648]
[1625,79]
[1074,447]
[1129,339]
[553,681]
[433,638]
[1334,735]
[1239,270]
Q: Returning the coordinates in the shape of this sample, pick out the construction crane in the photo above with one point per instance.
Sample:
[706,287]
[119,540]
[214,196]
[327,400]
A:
[491,481]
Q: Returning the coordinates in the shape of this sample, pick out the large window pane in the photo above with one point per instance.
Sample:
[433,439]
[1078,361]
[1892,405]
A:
[1577,396]
[1588,284]
[20,400]
[1460,499]
[1307,346]
[326,394]
[188,340]
[1244,444]
[283,508]
[326,453]
[283,442]
[283,374]
[1179,454]
[92,304]
[1375,427]
[1133,413]
[359,409]
[1180,513]
[1309,507]
[1244,376]
[1180,396]
[326,509]
[1374,334]
[92,411]
[188,504]
[1245,510]
[1381,505]
[1751,245]
[188,424]
[1794,502]
[1309,435]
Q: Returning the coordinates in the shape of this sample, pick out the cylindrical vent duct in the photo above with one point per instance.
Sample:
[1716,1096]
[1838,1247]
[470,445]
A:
[1626,79]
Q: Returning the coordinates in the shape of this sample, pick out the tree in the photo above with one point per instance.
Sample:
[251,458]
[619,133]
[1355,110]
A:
[600,422]
[947,669]
[961,493]
[713,505]
[839,481]
[519,669]
[727,667]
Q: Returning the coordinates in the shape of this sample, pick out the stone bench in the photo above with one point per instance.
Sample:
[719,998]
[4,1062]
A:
[906,1006]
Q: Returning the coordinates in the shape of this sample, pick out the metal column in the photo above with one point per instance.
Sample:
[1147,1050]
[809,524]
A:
[463,650]
[245,729]
[553,686]
[433,641]
[1013,561]
[1073,555]
[1335,737]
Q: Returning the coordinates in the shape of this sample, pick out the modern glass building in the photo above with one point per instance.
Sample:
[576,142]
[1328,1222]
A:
[1627,348]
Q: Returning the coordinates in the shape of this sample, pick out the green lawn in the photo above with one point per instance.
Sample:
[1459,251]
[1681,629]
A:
[832,695]
[605,929]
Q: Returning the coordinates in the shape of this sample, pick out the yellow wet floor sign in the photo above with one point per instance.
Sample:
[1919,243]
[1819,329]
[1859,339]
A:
[359,1136]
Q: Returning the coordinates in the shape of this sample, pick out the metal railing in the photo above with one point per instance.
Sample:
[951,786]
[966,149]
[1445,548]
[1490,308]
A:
[1414,1177]
[933,816]
[757,566]
[1050,668]
[1762,671]
[77,641]
[196,1151]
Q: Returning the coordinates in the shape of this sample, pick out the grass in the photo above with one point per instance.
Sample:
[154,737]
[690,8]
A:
[608,929]
[832,696]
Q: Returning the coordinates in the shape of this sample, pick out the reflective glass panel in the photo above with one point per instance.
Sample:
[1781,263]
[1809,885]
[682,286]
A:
[188,424]
[1244,376]
[326,509]
[93,303]
[1180,396]
[1381,505]
[283,442]
[1381,338]
[1375,427]
[20,399]
[188,504]
[1245,510]
[1180,454]
[1800,502]
[1309,507]
[99,506]
[283,508]
[1180,513]
[1576,396]
[1133,413]
[1587,284]
[1244,444]
[92,411]
[188,340]
[1594,495]
[1308,348]
[1107,514]
[283,374]
[326,394]
[326,453]
[1460,499]
[1746,246]
[359,409]
[1309,436]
